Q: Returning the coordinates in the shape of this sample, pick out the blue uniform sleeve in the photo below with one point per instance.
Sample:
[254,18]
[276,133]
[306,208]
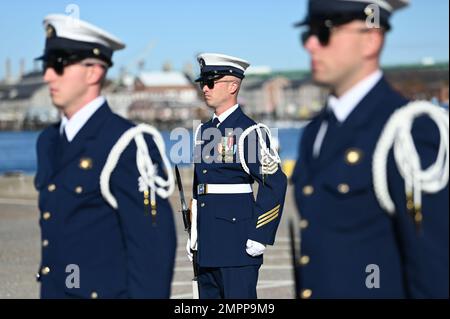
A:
[425,249]
[150,242]
[269,202]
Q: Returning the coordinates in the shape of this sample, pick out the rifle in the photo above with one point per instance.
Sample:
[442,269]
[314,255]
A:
[186,214]
[294,259]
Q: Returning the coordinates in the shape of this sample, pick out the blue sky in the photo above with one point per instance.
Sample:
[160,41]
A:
[258,30]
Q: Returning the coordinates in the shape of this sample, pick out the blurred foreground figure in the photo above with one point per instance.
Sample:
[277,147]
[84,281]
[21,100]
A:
[107,227]
[370,187]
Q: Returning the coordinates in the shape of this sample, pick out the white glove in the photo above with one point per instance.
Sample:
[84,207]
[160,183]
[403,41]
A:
[188,250]
[254,248]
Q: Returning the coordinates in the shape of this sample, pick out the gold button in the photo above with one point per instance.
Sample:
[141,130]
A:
[353,156]
[45,243]
[304,260]
[79,190]
[45,270]
[51,187]
[202,204]
[94,295]
[304,224]
[343,188]
[46,215]
[308,190]
[85,163]
[205,171]
[306,293]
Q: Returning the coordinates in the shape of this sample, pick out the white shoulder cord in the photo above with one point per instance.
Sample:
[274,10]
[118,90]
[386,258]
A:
[397,134]
[269,156]
[149,176]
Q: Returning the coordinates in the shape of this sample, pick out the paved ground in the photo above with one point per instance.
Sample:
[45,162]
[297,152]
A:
[20,247]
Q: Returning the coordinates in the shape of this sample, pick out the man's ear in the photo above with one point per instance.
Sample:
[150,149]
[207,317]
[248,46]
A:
[374,44]
[95,74]
[234,87]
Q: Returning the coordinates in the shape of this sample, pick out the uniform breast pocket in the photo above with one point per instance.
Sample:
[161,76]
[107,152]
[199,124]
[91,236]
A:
[348,181]
[83,184]
[349,200]
[235,209]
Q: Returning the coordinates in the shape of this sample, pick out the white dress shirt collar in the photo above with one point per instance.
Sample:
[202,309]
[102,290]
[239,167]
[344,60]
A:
[222,117]
[79,119]
[343,106]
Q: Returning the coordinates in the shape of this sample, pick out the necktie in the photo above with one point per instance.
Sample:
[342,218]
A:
[215,122]
[331,132]
[63,143]
[331,118]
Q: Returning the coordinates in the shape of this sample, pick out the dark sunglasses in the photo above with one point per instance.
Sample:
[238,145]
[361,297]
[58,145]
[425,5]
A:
[320,29]
[324,30]
[211,83]
[58,63]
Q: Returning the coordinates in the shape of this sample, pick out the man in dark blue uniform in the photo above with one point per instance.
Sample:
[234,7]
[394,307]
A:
[92,247]
[230,228]
[350,246]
